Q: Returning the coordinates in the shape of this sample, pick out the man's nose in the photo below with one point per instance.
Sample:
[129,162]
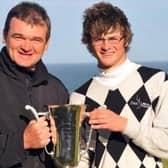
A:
[26,45]
[105,44]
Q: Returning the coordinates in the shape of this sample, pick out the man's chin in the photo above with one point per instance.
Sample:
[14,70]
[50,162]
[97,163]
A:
[104,66]
[27,66]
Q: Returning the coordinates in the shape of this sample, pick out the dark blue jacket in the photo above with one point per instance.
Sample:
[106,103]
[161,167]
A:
[19,87]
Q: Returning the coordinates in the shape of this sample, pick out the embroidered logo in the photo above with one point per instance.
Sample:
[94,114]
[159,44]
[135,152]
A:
[139,104]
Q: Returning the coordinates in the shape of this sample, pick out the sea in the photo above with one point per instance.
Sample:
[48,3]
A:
[74,74]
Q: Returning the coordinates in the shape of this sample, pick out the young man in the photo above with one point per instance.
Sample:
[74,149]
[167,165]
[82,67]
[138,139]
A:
[25,80]
[132,127]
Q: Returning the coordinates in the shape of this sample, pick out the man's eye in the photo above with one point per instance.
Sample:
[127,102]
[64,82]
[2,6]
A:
[18,37]
[37,40]
[98,40]
[113,39]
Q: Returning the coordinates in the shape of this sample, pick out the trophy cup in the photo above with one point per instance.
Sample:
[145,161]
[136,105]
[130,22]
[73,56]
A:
[66,152]
[67,119]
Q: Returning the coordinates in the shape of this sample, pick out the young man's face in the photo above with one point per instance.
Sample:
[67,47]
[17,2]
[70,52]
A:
[109,49]
[25,43]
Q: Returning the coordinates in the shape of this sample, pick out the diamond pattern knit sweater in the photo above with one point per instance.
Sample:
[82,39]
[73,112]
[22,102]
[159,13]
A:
[143,99]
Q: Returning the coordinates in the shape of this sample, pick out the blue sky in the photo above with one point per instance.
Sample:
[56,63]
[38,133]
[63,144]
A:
[148,20]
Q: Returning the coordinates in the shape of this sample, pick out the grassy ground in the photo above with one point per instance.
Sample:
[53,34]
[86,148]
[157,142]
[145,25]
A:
[165,163]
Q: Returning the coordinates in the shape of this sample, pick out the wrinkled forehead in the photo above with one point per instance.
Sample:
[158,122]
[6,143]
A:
[17,22]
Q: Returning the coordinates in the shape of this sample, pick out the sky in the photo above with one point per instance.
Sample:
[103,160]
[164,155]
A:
[148,19]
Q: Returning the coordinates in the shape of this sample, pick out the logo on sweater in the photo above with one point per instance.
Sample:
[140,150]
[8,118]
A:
[139,104]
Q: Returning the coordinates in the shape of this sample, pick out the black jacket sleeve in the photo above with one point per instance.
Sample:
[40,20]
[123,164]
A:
[10,149]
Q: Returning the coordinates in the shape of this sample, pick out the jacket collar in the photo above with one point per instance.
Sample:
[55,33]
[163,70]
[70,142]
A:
[9,67]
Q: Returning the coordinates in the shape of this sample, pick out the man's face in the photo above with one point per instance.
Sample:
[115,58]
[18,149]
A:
[109,49]
[25,43]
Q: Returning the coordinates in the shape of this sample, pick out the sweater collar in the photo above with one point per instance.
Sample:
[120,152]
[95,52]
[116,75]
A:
[117,71]
[114,76]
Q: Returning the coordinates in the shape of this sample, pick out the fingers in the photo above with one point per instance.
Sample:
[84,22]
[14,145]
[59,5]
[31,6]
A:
[98,114]
[100,118]
[37,134]
[107,119]
[52,128]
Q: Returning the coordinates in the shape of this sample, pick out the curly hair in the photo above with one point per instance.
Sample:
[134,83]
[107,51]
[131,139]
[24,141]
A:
[99,18]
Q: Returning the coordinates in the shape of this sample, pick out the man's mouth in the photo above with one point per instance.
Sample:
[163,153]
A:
[25,54]
[107,54]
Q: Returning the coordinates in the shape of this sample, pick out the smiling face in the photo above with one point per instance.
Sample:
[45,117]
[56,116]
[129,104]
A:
[25,43]
[109,49]
[106,33]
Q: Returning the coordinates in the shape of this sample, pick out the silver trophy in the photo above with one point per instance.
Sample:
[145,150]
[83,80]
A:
[66,152]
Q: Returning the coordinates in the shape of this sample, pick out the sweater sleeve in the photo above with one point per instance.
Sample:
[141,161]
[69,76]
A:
[153,137]
[11,149]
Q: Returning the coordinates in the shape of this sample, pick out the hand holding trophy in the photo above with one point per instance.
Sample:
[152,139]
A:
[68,117]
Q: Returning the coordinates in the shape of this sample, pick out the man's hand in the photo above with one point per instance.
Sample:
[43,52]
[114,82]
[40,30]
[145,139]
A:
[37,133]
[107,119]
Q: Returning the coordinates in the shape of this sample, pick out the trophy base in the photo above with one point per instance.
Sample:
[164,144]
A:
[59,164]
[65,166]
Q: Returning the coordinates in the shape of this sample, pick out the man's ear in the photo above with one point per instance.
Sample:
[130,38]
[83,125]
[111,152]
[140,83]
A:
[4,38]
[126,44]
[3,41]
[47,43]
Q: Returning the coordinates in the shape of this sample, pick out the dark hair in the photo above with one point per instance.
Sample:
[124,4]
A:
[31,13]
[99,18]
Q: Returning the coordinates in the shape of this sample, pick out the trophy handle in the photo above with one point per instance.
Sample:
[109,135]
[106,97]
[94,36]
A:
[86,114]
[36,115]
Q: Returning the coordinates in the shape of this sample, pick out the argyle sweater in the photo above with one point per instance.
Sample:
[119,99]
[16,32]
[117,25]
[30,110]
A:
[143,99]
